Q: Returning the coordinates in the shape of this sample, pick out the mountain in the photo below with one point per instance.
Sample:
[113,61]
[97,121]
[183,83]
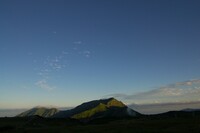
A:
[103,108]
[190,110]
[98,109]
[39,111]
[178,114]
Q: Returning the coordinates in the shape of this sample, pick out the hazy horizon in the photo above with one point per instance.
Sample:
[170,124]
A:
[155,108]
[65,52]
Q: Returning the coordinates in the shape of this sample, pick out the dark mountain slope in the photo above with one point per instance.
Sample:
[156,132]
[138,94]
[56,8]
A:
[39,111]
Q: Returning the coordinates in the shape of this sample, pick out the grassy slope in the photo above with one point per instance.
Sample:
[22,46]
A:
[99,108]
[88,113]
[115,103]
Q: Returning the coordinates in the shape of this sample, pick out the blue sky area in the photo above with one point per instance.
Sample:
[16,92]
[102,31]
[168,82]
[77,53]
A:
[65,52]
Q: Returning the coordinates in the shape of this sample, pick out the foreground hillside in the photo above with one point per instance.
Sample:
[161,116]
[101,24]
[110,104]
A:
[144,124]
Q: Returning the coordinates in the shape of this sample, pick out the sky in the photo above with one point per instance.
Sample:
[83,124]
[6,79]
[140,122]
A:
[65,52]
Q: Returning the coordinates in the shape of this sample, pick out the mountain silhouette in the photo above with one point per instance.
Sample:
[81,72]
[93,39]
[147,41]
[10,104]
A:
[103,108]
[98,109]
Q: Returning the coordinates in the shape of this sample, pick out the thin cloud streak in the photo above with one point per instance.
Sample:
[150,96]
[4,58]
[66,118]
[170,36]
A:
[86,53]
[77,42]
[178,92]
[164,107]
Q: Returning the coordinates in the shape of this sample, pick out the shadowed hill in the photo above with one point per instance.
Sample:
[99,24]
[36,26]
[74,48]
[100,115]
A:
[39,111]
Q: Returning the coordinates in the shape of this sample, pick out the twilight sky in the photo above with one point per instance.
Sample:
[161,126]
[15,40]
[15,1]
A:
[65,52]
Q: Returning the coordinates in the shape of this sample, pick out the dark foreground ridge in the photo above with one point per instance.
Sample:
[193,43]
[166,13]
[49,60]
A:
[170,122]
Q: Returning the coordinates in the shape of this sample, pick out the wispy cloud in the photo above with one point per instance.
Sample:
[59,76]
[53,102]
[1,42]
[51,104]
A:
[177,92]
[77,42]
[86,53]
[50,66]
[43,84]
[65,52]
[54,32]
[156,108]
[185,83]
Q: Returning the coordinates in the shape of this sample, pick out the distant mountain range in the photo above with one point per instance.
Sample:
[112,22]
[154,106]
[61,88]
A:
[190,110]
[87,111]
[181,114]
[103,108]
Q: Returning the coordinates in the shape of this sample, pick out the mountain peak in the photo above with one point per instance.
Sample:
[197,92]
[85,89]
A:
[112,102]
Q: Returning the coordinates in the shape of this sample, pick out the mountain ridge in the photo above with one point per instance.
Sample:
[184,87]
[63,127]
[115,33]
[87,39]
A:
[102,108]
[110,107]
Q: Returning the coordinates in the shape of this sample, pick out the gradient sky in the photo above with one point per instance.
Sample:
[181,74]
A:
[65,52]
